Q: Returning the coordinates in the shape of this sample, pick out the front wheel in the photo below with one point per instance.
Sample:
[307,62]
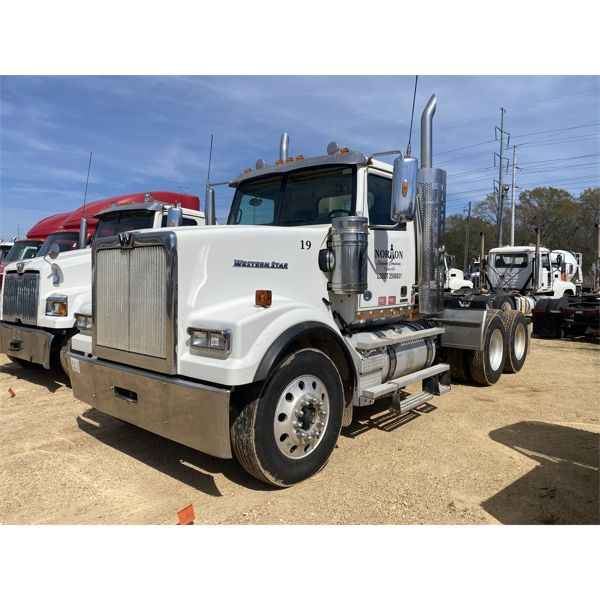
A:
[287,434]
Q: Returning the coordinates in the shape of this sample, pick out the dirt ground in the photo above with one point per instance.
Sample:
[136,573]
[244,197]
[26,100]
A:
[523,451]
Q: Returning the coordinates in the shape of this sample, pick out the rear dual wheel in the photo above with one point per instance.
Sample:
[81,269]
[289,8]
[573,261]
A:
[288,432]
[486,365]
[516,341]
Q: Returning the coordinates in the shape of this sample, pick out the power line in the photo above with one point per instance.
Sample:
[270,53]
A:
[555,130]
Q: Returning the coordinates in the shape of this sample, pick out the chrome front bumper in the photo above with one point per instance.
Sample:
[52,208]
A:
[192,414]
[27,343]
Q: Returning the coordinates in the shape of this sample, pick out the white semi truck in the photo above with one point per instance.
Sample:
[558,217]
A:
[256,339]
[42,297]
[514,268]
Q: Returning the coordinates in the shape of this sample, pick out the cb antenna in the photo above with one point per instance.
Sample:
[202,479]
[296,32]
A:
[209,197]
[83,224]
[86,184]
[412,116]
[209,159]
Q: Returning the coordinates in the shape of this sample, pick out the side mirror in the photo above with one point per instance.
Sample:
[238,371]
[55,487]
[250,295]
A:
[174,216]
[404,189]
[54,251]
[559,260]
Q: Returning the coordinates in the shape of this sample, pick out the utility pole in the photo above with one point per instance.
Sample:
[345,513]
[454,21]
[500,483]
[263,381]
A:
[512,202]
[500,167]
[467,239]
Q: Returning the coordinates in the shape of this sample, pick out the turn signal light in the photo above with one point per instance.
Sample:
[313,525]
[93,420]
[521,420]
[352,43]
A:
[289,159]
[344,150]
[300,157]
[247,170]
[405,187]
[263,298]
[278,162]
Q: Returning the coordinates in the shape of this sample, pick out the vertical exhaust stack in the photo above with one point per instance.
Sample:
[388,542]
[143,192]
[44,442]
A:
[209,206]
[537,271]
[432,210]
[83,230]
[284,145]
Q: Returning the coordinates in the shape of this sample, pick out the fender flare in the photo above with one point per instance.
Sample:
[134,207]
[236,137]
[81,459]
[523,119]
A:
[288,336]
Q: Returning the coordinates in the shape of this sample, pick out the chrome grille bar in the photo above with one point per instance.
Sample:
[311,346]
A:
[134,300]
[20,300]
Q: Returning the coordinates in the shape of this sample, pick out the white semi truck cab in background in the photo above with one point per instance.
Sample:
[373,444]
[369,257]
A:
[43,296]
[514,268]
[255,339]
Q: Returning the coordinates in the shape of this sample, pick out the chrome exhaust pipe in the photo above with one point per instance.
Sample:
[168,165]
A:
[426,133]
[209,207]
[284,145]
[432,209]
[83,231]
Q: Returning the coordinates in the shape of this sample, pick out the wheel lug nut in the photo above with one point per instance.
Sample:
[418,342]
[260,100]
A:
[295,424]
[305,402]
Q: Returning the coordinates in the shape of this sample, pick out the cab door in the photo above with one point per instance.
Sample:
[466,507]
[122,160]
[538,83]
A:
[391,251]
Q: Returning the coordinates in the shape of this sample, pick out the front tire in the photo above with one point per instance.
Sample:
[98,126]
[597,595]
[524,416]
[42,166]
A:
[288,432]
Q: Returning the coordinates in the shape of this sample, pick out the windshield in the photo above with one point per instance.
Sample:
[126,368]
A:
[118,222]
[66,240]
[306,197]
[23,250]
[510,261]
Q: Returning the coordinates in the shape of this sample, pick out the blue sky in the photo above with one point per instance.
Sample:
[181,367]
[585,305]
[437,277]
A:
[153,133]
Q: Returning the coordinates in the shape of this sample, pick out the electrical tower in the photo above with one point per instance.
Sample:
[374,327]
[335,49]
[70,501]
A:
[501,189]
[512,202]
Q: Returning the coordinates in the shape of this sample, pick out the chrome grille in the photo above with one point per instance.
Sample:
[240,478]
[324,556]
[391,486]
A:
[131,304]
[20,298]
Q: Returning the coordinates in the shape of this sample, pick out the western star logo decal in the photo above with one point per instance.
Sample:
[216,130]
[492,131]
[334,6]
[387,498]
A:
[259,264]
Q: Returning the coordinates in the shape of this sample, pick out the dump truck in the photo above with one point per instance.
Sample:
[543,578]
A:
[41,297]
[323,292]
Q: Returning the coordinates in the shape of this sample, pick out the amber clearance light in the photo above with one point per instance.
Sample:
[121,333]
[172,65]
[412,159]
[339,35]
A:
[263,298]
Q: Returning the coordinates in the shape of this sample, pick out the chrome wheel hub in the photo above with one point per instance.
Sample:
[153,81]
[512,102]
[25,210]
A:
[301,416]
[496,350]
[520,341]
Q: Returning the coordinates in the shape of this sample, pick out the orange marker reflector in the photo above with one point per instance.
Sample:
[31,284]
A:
[300,157]
[405,187]
[11,392]
[344,150]
[247,170]
[263,298]
[186,515]
[289,159]
[278,162]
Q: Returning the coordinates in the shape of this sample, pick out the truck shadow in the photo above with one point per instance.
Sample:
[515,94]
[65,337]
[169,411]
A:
[175,460]
[376,416]
[52,380]
[562,489]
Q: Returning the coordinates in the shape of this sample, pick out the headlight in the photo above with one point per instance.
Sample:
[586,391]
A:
[83,323]
[57,306]
[208,339]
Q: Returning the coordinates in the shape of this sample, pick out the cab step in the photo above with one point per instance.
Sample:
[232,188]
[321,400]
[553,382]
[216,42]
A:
[394,385]
[408,403]
[390,340]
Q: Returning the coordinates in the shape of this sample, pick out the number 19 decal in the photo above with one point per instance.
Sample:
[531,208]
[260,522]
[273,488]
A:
[305,244]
